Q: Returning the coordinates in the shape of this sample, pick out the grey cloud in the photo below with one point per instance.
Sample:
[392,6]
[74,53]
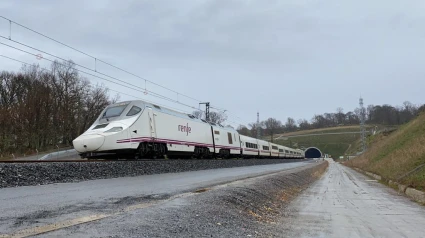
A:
[284,58]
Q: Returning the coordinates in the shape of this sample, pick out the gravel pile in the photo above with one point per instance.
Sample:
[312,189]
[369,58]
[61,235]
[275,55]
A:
[25,174]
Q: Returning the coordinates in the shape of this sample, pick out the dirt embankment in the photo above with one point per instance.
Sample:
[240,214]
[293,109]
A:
[399,156]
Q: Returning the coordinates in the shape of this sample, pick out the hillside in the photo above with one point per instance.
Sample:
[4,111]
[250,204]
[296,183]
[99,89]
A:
[333,144]
[394,155]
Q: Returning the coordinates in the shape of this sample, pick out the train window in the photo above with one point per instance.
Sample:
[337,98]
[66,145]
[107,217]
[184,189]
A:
[280,150]
[274,147]
[229,136]
[265,147]
[114,111]
[133,111]
[247,145]
[157,107]
[286,151]
[217,132]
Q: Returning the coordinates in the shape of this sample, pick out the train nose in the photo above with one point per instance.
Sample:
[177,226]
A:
[88,143]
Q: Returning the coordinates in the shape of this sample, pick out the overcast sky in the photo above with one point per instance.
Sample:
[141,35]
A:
[283,58]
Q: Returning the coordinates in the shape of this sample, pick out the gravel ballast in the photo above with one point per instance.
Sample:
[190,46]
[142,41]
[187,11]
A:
[27,174]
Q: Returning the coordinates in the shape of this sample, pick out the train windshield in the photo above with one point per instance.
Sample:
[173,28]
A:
[114,111]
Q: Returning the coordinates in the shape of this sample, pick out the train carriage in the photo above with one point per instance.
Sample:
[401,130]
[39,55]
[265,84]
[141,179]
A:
[226,141]
[274,150]
[249,146]
[180,134]
[264,148]
[281,150]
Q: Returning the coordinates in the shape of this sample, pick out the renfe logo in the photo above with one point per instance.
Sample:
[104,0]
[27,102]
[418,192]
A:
[186,129]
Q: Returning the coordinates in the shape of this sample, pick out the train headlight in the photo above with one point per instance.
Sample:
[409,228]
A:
[114,129]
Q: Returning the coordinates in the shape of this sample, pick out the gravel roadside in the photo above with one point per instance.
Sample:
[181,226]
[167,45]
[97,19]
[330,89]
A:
[245,208]
[27,174]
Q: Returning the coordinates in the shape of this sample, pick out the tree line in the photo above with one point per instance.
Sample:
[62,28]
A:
[42,109]
[373,114]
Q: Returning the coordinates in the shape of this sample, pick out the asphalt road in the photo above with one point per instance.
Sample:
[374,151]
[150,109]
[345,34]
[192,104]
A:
[345,203]
[34,210]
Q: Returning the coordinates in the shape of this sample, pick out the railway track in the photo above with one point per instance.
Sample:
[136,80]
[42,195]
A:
[115,160]
[75,160]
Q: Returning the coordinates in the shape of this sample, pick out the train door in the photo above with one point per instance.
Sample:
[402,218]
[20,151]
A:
[152,125]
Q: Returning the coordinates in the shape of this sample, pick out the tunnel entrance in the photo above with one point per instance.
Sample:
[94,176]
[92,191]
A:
[313,152]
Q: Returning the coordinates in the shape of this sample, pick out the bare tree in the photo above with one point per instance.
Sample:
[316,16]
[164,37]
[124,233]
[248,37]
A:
[290,124]
[198,114]
[40,109]
[217,117]
[272,125]
[303,124]
[340,116]
[243,130]
[254,128]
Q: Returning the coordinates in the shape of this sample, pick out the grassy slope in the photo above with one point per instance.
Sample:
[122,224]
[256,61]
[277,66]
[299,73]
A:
[398,153]
[322,130]
[335,145]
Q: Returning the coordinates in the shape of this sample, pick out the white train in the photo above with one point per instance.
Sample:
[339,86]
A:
[141,129]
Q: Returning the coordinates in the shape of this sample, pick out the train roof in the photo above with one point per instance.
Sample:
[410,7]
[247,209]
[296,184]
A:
[175,113]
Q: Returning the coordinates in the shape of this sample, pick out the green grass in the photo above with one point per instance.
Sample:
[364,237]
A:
[394,155]
[335,145]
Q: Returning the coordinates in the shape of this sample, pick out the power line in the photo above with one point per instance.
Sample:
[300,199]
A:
[25,63]
[91,56]
[151,92]
[96,60]
[84,67]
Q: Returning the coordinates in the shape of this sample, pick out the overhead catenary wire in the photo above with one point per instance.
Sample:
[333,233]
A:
[84,67]
[113,90]
[93,57]
[96,59]
[139,90]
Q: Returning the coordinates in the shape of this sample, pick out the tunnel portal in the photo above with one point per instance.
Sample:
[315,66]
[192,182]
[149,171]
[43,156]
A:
[313,152]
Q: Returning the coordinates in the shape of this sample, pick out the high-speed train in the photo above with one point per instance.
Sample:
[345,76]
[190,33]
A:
[144,130]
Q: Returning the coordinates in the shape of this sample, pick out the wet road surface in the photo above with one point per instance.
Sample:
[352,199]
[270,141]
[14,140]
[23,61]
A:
[345,203]
[68,204]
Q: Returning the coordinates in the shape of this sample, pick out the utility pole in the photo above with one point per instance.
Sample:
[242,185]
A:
[207,110]
[258,125]
[362,124]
